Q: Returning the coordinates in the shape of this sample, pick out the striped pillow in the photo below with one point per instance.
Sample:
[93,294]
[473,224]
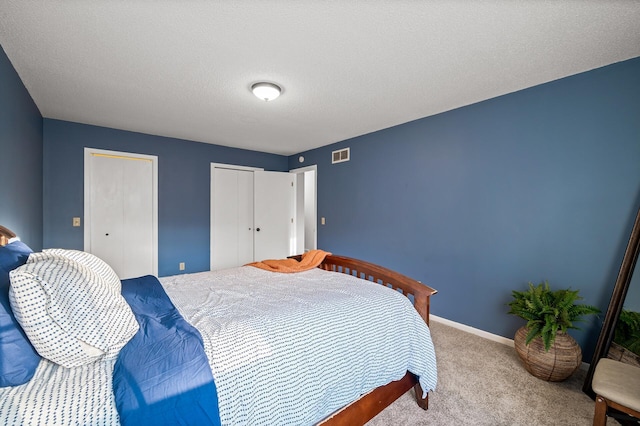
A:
[92,261]
[70,313]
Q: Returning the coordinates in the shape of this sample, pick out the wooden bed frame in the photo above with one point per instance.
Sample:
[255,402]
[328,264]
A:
[369,405]
[5,235]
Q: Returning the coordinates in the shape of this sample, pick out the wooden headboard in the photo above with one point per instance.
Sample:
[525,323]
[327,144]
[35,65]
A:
[5,235]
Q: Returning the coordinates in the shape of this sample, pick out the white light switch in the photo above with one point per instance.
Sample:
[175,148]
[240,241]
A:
[322,221]
[76,221]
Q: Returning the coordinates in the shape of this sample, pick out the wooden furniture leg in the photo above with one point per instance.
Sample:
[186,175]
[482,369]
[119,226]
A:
[422,402]
[600,416]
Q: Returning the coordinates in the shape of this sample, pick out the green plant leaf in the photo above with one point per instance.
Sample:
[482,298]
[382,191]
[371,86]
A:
[548,312]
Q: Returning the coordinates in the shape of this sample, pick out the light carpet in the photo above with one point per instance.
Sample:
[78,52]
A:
[482,382]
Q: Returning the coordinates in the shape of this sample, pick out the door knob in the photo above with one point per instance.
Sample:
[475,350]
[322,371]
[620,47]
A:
[258,229]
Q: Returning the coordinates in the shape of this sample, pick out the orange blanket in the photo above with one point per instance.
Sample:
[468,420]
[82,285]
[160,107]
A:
[310,260]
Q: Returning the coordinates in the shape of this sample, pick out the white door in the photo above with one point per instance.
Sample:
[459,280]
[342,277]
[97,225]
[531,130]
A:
[121,211]
[244,200]
[232,217]
[274,213]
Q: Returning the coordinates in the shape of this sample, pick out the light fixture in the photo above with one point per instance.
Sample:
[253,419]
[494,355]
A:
[266,91]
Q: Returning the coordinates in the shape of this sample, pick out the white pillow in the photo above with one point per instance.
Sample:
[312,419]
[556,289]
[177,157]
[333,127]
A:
[87,259]
[70,313]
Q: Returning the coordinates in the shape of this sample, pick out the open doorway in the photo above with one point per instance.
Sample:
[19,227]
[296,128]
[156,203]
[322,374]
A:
[306,208]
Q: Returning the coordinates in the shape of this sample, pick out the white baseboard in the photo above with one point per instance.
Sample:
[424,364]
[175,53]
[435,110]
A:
[472,330]
[482,333]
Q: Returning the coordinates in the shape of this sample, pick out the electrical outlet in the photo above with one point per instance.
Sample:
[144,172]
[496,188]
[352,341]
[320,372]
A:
[182,266]
[76,221]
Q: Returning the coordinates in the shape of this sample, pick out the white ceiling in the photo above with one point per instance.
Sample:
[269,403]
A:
[183,68]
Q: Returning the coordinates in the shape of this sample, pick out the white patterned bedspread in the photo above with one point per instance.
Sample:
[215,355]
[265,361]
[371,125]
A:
[293,348]
[57,395]
[258,327]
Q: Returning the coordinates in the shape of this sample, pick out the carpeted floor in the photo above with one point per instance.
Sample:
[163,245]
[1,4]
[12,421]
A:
[481,382]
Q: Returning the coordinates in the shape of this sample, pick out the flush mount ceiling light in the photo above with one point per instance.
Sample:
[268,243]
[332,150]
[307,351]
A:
[266,91]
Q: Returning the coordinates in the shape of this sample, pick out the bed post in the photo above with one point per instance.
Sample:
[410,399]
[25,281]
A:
[422,402]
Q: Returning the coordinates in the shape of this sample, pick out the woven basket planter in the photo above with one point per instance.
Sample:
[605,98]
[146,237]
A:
[562,360]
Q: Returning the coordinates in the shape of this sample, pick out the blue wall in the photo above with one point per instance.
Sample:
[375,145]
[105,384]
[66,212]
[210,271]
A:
[183,187]
[541,184]
[20,158]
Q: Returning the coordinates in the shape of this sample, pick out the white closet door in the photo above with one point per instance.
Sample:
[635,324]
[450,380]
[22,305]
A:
[245,217]
[106,222]
[120,212]
[232,218]
[137,235]
[274,195]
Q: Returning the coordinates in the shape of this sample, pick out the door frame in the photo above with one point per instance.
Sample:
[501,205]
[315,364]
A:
[314,168]
[88,153]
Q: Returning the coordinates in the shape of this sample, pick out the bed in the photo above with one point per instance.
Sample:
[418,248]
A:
[273,380]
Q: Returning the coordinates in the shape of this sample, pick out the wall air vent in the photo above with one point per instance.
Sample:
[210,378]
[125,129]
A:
[340,156]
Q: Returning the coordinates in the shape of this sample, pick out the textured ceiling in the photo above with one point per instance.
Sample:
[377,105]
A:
[183,68]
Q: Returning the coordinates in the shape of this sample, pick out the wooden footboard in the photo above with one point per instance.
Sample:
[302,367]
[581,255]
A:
[368,406]
[417,292]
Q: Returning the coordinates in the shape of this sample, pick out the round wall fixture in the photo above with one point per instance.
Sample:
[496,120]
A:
[266,91]
[301,159]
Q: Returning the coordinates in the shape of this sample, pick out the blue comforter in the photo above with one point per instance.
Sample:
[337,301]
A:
[162,376]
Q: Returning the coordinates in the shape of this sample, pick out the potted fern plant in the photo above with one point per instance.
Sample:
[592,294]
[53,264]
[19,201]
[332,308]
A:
[543,344]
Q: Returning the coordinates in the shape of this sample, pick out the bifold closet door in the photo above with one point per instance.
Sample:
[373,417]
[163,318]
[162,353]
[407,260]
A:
[252,215]
[274,212]
[121,213]
[232,217]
